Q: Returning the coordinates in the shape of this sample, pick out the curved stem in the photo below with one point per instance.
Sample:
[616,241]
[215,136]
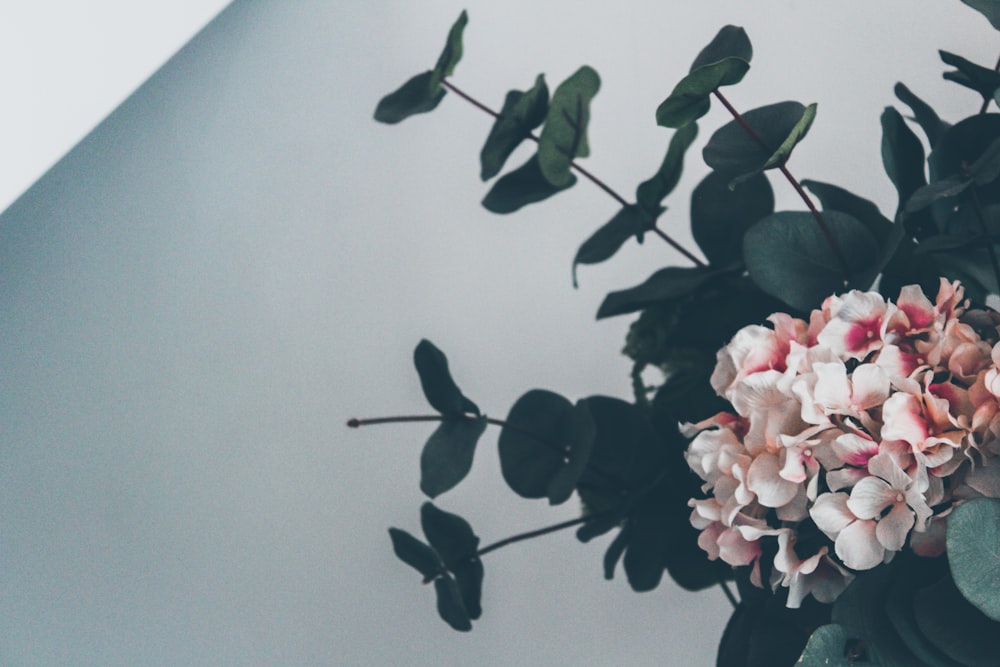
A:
[832,242]
[583,172]
[520,537]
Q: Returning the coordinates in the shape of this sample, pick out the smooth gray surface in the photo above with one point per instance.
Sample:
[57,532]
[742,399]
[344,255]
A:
[200,294]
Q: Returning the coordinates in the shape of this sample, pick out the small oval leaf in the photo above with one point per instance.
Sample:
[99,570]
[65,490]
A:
[521,113]
[452,51]
[435,379]
[415,553]
[450,606]
[974,553]
[417,95]
[447,456]
[564,135]
[525,185]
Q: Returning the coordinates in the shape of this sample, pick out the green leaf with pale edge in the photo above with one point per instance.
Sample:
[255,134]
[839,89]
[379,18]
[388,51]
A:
[954,626]
[525,185]
[779,127]
[450,606]
[788,256]
[827,646]
[723,62]
[415,553]
[669,283]
[629,221]
[418,95]
[798,133]
[720,215]
[545,445]
[650,193]
[988,8]
[983,80]
[435,379]
[564,135]
[974,553]
[925,116]
[522,112]
[452,52]
[447,456]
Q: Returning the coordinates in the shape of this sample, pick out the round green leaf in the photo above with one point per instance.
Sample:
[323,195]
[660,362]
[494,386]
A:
[956,627]
[435,379]
[827,646]
[720,215]
[789,257]
[564,135]
[974,553]
[449,604]
[415,553]
[417,95]
[521,113]
[447,457]
[525,185]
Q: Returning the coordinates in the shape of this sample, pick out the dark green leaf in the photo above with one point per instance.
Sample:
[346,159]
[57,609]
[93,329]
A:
[903,158]
[449,534]
[626,448]
[909,572]
[954,626]
[860,610]
[932,192]
[598,526]
[564,135]
[834,198]
[449,604]
[778,128]
[827,646]
[968,146]
[925,116]
[545,445]
[723,62]
[525,185]
[435,379]
[720,215]
[522,112]
[614,553]
[988,8]
[983,80]
[469,576]
[604,243]
[669,283]
[415,553]
[974,553]
[452,52]
[789,257]
[650,193]
[418,95]
[447,457]
[648,548]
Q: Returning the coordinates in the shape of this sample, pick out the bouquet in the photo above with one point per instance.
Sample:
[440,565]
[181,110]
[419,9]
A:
[826,431]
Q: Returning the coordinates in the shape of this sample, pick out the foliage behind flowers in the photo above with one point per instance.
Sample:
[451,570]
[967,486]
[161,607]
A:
[843,444]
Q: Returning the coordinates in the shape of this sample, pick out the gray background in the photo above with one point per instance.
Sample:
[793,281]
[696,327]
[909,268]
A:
[196,298]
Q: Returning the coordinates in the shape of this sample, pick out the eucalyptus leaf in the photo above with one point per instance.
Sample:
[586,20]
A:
[928,194]
[669,283]
[415,553]
[452,52]
[629,221]
[469,577]
[954,626]
[447,456]
[969,149]
[435,379]
[988,8]
[974,553]
[450,606]
[564,135]
[790,258]
[900,610]
[983,80]
[650,193]
[417,95]
[449,534]
[525,185]
[720,215]
[860,610]
[835,198]
[522,112]
[925,116]
[827,646]
[777,129]
[903,159]
[730,42]
[614,553]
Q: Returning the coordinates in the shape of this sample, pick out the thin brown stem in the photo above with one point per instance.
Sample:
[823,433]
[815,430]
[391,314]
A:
[538,533]
[832,242]
[583,172]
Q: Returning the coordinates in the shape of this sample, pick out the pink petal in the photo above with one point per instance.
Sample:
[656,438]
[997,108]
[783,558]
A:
[858,547]
[870,496]
[893,528]
[764,479]
[901,414]
[830,513]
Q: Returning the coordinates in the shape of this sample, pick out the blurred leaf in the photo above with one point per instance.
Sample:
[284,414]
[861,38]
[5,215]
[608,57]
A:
[974,553]
[452,52]
[788,256]
[925,116]
[625,449]
[614,553]
[834,198]
[954,626]
[931,192]
[564,135]
[860,610]
[545,445]
[650,193]
[629,221]
[669,283]
[983,80]
[903,158]
[721,215]
[988,8]
[415,553]
[778,127]
[763,632]
[983,171]
[525,185]
[521,113]
[449,604]
[970,142]
[435,379]
[724,62]
[910,572]
[826,646]
[447,457]
[418,95]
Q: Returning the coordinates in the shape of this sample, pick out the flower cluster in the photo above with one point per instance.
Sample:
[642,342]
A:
[854,434]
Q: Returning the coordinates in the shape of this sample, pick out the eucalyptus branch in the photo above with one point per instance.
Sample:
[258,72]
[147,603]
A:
[832,242]
[583,172]
[538,533]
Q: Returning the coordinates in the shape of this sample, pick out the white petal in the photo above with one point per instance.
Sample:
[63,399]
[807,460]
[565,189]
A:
[830,513]
[870,496]
[893,528]
[764,480]
[858,547]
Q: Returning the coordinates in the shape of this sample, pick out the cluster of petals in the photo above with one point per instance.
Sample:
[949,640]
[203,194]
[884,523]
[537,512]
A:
[854,433]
